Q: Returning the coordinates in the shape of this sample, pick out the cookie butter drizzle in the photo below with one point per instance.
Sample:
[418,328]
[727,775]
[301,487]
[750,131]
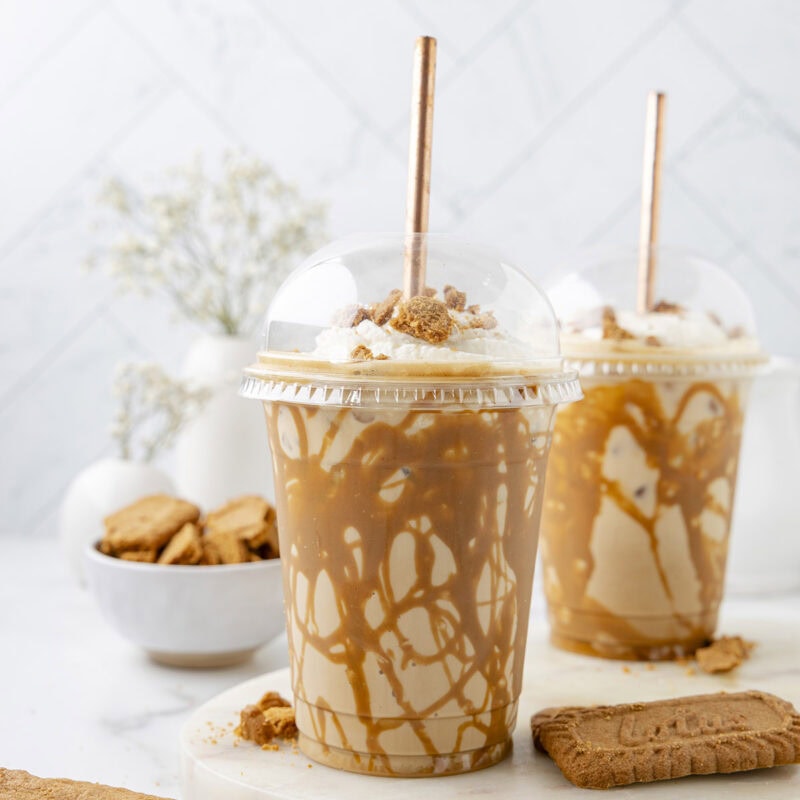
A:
[688,460]
[410,538]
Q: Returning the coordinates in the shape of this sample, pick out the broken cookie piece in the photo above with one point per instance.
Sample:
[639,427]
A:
[723,654]
[611,329]
[148,524]
[359,315]
[381,313]
[185,547]
[362,353]
[253,726]
[454,299]
[225,547]
[273,700]
[423,318]
[486,320]
[167,530]
[250,518]
[665,307]
[272,717]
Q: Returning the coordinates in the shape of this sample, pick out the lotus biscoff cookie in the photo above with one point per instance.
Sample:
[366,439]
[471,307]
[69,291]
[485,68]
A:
[148,524]
[603,746]
[21,785]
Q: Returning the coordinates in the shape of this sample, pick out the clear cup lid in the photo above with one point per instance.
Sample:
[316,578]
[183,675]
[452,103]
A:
[699,312]
[480,332]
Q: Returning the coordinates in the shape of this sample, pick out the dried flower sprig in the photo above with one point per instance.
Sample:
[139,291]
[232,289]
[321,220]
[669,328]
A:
[153,407]
[218,248]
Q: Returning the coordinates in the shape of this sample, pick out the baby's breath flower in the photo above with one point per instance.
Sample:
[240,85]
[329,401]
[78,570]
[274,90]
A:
[153,407]
[115,195]
[217,246]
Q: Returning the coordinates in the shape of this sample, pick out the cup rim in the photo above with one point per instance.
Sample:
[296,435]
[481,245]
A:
[781,365]
[274,384]
[667,365]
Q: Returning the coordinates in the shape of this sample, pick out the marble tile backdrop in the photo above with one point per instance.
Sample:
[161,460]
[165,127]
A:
[537,149]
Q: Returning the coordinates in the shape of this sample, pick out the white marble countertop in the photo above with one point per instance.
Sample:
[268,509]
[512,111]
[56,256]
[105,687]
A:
[80,702]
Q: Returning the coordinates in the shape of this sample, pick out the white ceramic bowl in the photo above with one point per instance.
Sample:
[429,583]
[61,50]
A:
[190,616]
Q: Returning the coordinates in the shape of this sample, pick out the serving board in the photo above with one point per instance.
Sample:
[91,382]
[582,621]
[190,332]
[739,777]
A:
[217,765]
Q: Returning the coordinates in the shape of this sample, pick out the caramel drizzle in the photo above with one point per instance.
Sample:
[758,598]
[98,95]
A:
[452,477]
[687,465]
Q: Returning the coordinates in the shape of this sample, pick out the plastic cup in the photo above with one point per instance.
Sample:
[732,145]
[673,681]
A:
[408,495]
[642,472]
[764,522]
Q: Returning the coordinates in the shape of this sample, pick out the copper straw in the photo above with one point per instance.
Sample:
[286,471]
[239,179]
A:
[419,164]
[651,194]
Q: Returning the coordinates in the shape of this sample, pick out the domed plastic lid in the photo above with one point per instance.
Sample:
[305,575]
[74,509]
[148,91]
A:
[700,321]
[340,332]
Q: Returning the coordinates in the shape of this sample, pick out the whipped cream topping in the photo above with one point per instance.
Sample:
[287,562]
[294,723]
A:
[464,344]
[677,328]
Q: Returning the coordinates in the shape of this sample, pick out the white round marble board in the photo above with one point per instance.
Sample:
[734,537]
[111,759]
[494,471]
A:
[216,765]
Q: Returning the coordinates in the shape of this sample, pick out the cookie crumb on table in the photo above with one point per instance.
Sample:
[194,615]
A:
[272,717]
[723,654]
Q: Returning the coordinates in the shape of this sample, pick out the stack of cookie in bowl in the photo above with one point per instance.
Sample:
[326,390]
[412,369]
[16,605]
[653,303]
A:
[193,590]
[167,530]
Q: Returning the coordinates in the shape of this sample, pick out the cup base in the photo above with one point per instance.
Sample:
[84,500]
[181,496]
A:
[405,766]
[630,651]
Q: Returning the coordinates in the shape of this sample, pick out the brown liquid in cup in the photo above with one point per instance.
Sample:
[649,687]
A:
[640,488]
[408,540]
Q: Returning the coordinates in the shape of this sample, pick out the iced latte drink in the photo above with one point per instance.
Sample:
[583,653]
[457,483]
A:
[409,446]
[641,480]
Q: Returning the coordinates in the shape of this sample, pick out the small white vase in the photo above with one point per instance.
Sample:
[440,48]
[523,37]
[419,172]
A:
[223,452]
[97,491]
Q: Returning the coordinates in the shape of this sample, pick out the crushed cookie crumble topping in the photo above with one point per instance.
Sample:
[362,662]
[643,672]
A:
[665,307]
[382,312]
[424,318]
[359,315]
[362,353]
[454,299]
[611,328]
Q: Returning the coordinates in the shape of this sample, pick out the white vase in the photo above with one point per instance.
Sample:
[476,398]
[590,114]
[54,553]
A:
[97,491]
[223,452]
